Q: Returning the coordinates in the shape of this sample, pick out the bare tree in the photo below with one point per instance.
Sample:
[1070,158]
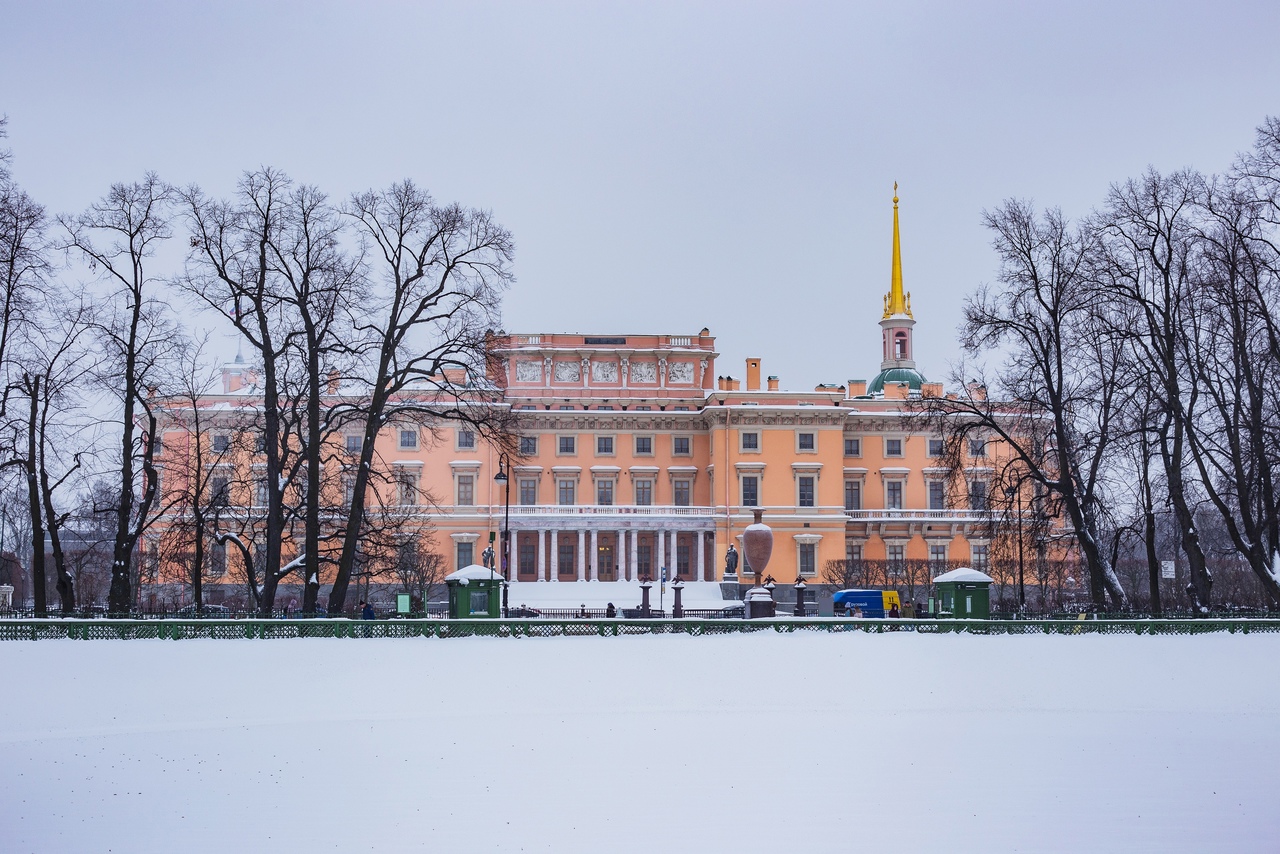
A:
[443,269]
[1054,401]
[117,236]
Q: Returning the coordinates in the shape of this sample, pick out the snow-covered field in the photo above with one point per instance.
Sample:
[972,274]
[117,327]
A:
[764,742]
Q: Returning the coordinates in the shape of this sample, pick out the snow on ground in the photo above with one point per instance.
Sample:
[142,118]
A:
[765,742]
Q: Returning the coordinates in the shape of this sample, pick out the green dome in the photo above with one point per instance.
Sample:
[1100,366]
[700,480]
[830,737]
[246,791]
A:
[913,378]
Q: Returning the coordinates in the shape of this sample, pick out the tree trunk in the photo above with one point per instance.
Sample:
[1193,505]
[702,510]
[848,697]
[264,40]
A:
[38,580]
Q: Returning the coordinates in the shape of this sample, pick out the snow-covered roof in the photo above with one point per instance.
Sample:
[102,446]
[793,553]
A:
[964,573]
[475,572]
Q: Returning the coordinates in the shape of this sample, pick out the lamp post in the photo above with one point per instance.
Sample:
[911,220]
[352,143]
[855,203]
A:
[503,478]
[1022,589]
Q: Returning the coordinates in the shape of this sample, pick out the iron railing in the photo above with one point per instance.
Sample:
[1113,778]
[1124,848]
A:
[127,629]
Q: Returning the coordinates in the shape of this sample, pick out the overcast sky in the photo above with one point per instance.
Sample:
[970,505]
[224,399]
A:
[663,167]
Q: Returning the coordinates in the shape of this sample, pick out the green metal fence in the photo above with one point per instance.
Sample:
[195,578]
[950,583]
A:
[114,629]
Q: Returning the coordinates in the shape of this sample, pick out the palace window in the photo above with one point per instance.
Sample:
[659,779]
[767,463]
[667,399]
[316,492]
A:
[853,447]
[604,492]
[528,490]
[937,495]
[893,495]
[568,445]
[566,488]
[978,557]
[644,446]
[466,440]
[407,483]
[408,440]
[896,557]
[221,442]
[853,495]
[568,558]
[682,490]
[528,446]
[354,443]
[680,446]
[219,491]
[644,492]
[808,558]
[893,447]
[806,441]
[466,554]
[938,556]
[977,495]
[805,483]
[527,557]
[682,559]
[261,492]
[977,447]
[466,490]
[936,447]
[604,446]
[750,441]
[750,491]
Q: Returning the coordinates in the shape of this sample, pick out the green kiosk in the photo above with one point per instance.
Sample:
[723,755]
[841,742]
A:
[964,593]
[475,592]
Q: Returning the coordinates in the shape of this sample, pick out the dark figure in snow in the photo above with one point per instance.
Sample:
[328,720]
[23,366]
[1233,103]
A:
[366,611]
[731,561]
[893,612]
[610,611]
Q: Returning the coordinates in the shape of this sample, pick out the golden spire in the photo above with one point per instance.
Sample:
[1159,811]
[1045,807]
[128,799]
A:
[896,302]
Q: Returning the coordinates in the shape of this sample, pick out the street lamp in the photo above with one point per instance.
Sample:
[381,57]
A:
[1022,590]
[502,478]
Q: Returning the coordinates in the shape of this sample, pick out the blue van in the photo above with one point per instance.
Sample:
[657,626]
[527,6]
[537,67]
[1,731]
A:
[874,603]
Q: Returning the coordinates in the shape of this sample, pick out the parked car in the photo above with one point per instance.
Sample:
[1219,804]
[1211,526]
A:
[211,612]
[523,611]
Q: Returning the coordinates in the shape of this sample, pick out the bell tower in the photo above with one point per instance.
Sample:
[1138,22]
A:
[896,325]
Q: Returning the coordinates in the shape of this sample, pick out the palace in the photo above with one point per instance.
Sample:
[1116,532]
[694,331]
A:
[635,455]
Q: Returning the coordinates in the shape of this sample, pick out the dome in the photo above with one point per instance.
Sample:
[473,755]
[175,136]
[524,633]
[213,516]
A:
[913,378]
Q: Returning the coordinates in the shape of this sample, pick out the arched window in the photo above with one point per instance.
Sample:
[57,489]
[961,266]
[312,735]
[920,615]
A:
[900,346]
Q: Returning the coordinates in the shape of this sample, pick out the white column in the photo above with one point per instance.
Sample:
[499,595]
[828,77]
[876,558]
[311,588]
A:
[660,559]
[542,555]
[635,552]
[582,555]
[555,555]
[700,543]
[595,555]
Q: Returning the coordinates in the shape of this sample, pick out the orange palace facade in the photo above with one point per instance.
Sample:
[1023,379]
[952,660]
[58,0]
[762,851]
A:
[635,455]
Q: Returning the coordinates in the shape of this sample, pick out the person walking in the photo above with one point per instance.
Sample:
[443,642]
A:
[366,613]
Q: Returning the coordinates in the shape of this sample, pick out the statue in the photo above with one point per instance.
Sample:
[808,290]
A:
[487,557]
[731,561]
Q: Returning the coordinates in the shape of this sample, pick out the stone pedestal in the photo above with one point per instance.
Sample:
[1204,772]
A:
[760,603]
[6,597]
[677,607]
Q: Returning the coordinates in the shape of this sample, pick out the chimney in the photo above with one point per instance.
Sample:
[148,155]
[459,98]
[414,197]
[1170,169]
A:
[857,388]
[720,383]
[896,391]
[333,381]
[730,384]
[977,391]
[753,374]
[931,390]
[773,383]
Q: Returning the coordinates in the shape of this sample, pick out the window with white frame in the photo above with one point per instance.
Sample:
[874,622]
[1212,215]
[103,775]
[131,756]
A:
[806,441]
[565,491]
[355,443]
[977,447]
[893,495]
[852,553]
[936,447]
[348,487]
[938,556]
[567,445]
[261,492]
[642,408]
[853,495]
[466,554]
[852,446]
[805,490]
[644,492]
[466,490]
[750,490]
[217,559]
[977,495]
[408,439]
[750,440]
[604,446]
[407,487]
[219,490]
[893,447]
[896,556]
[937,495]
[604,492]
[466,439]
[978,557]
[682,492]
[808,558]
[644,446]
[528,446]
[220,443]
[681,446]
[528,490]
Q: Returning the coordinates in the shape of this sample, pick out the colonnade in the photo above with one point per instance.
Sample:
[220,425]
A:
[663,544]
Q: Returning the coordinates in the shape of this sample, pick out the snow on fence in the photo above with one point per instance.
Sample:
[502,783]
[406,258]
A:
[129,629]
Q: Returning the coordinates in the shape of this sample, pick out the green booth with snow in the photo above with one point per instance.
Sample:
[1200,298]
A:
[964,593]
[475,592]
